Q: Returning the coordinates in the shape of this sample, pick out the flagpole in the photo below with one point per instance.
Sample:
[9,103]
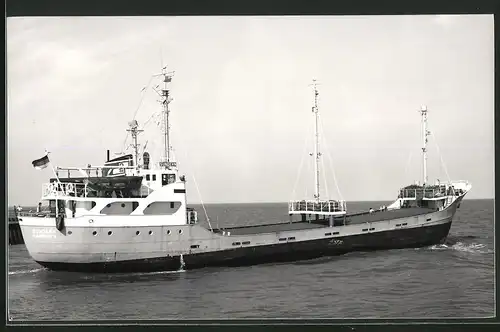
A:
[57,178]
[51,166]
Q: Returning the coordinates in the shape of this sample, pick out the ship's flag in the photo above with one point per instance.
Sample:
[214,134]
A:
[41,163]
[167,79]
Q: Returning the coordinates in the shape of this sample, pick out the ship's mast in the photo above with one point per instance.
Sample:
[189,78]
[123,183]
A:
[317,154]
[167,78]
[134,131]
[425,133]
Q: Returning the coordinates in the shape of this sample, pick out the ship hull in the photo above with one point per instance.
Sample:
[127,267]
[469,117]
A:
[286,252]
[169,248]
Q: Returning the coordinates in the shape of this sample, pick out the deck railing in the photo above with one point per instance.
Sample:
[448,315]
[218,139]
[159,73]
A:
[315,206]
[63,189]
[419,193]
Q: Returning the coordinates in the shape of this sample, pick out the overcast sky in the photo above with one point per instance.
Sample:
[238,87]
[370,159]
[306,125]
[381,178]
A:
[242,105]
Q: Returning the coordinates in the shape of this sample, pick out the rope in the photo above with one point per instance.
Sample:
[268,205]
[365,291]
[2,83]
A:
[308,171]
[137,109]
[300,167]
[442,161]
[201,201]
[408,164]
[199,193]
[331,162]
[323,163]
[324,177]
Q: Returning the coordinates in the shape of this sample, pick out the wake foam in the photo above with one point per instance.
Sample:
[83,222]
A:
[475,248]
[26,271]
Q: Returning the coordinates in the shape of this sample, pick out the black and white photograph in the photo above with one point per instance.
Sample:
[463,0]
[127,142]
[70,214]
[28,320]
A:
[250,167]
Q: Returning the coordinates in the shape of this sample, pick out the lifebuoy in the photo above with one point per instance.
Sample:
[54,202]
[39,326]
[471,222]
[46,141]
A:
[60,222]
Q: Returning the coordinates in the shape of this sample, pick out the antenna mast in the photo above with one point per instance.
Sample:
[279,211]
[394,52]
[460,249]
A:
[425,133]
[317,154]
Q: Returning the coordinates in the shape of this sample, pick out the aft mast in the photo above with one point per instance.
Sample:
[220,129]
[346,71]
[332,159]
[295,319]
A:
[425,133]
[317,154]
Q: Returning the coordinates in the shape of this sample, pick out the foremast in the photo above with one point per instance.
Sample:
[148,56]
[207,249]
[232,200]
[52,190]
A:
[326,208]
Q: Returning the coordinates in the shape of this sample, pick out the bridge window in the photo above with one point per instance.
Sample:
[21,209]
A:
[167,179]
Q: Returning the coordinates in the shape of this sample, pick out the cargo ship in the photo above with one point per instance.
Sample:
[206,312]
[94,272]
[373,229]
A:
[131,215]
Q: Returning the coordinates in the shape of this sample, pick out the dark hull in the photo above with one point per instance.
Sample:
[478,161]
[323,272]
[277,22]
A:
[285,252]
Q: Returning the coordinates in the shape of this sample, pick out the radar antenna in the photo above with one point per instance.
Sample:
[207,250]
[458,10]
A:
[134,132]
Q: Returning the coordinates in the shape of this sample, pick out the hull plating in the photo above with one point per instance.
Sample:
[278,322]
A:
[291,251]
[159,248]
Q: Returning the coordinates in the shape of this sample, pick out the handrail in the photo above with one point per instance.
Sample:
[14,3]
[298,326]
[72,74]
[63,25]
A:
[314,206]
[63,189]
[44,213]
[425,193]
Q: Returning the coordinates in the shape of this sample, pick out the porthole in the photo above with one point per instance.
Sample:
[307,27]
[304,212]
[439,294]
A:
[137,233]
[150,232]
[168,231]
[180,231]
[94,233]
[70,232]
[110,232]
[123,205]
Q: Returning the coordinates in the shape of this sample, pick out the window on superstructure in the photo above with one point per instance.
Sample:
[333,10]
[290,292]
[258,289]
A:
[154,177]
[119,208]
[162,208]
[147,177]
